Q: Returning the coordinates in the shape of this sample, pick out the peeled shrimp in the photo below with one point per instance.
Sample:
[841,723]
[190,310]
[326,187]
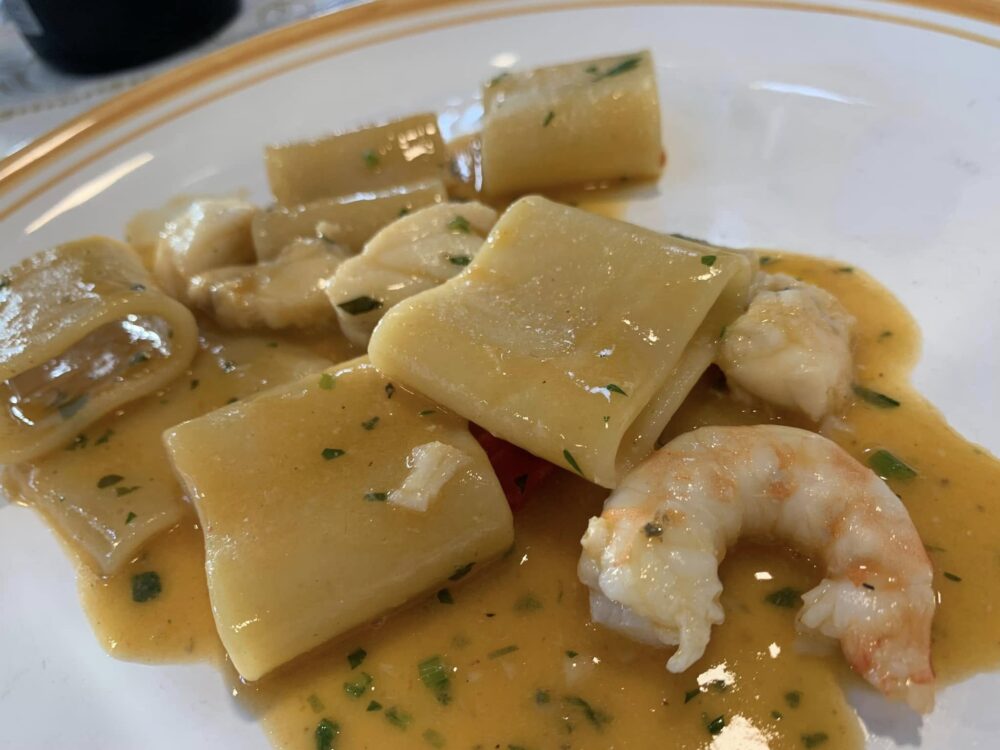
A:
[792,347]
[651,559]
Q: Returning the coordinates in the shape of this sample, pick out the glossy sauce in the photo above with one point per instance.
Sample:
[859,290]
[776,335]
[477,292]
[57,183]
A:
[529,671]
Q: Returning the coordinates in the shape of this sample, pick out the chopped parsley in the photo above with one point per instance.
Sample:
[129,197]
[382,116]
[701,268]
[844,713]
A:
[326,734]
[444,596]
[373,706]
[331,453]
[615,389]
[595,716]
[503,651]
[716,725]
[398,717]
[360,686]
[461,572]
[360,305]
[527,603]
[104,437]
[874,397]
[376,497]
[434,673]
[403,211]
[370,158]
[356,657]
[548,119]
[369,424]
[777,715]
[626,65]
[793,698]
[887,466]
[130,517]
[427,412]
[138,358]
[690,695]
[786,597]
[708,260]
[460,260]
[845,269]
[952,577]
[653,529]
[572,654]
[122,491]
[109,480]
[315,703]
[815,739]
[766,260]
[195,383]
[542,697]
[433,737]
[459,224]
[70,408]
[572,462]
[327,381]
[146,586]
[389,390]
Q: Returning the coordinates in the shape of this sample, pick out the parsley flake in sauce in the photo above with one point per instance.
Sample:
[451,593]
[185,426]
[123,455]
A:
[615,389]
[653,529]
[444,596]
[389,390]
[398,717]
[376,497]
[815,739]
[356,657]
[146,586]
[595,716]
[952,577]
[433,737]
[708,260]
[326,734]
[459,224]
[370,158]
[121,491]
[626,65]
[874,397]
[461,572]
[716,725]
[109,480]
[548,119]
[369,424]
[360,305]
[542,697]
[104,438]
[786,597]
[887,466]
[572,462]
[793,698]
[374,706]
[460,260]
[503,651]
[72,407]
[360,686]
[327,381]
[130,517]
[434,673]
[331,453]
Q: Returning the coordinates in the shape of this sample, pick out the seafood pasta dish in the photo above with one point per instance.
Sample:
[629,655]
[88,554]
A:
[434,451]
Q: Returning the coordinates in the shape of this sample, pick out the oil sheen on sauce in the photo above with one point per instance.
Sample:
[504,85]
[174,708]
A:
[523,667]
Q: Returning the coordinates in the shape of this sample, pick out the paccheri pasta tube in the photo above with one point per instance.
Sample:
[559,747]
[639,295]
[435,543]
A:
[401,152]
[303,538]
[580,122]
[572,336]
[83,330]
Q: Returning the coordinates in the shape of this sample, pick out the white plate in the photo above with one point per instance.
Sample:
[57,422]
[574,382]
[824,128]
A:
[860,130]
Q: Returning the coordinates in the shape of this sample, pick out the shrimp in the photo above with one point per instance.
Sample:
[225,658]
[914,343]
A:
[792,347]
[651,559]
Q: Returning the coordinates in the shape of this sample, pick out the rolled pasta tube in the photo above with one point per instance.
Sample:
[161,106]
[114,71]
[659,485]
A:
[83,330]
[348,220]
[293,492]
[572,336]
[400,152]
[568,124]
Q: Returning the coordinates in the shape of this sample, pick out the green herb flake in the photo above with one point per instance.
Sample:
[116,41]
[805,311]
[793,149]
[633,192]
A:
[130,517]
[434,738]
[503,651]
[716,725]
[461,572]
[369,424]
[444,596]
[195,383]
[427,412]
[521,482]
[403,211]
[815,739]
[884,335]
[390,389]
[356,657]
[793,698]
[373,706]
[138,358]
[398,717]
[315,703]
[572,462]
[105,437]
[326,734]
[109,480]
[331,453]
[360,305]
[122,491]
[360,686]
[690,695]
[327,381]
[527,603]
[146,586]
[777,715]
[653,529]
[570,654]
[887,466]
[460,260]
[231,400]
[952,577]
[595,716]
[80,441]
[4,282]
[272,344]
[708,260]
[542,697]
[786,597]
[626,65]
[874,397]
[376,497]
[548,119]
[435,675]
[460,225]
[71,408]
[766,260]
[615,389]
[370,158]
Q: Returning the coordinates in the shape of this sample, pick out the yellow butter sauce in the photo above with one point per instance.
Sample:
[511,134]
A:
[526,669]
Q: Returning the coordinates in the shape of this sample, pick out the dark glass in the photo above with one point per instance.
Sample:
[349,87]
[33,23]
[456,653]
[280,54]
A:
[96,36]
